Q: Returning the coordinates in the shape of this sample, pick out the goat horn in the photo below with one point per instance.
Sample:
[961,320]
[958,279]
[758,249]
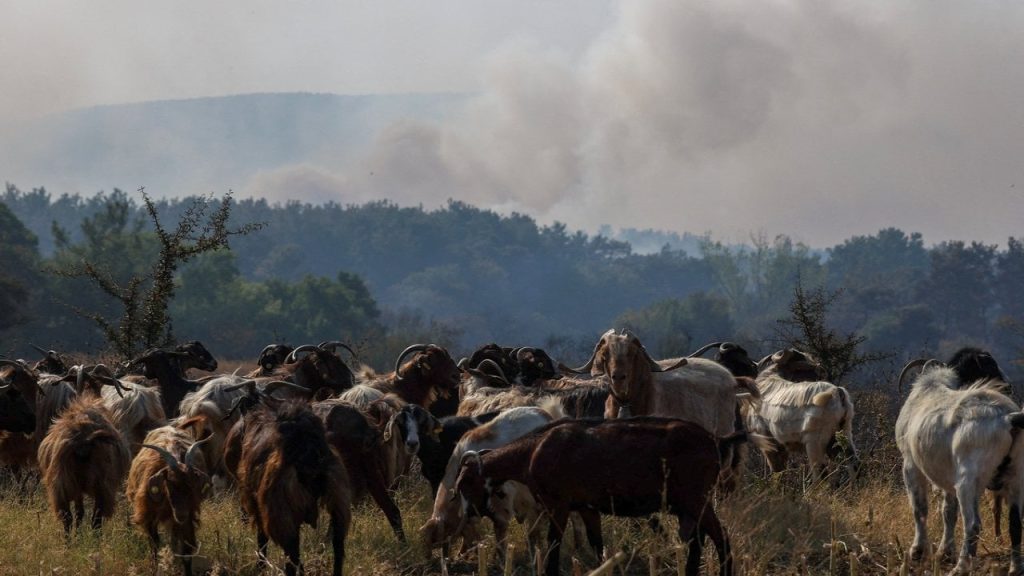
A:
[190,454]
[705,348]
[297,351]
[472,455]
[332,345]
[655,367]
[172,462]
[42,351]
[910,366]
[79,377]
[520,351]
[494,366]
[407,351]
[8,362]
[463,363]
[585,369]
[266,349]
[278,384]
[250,384]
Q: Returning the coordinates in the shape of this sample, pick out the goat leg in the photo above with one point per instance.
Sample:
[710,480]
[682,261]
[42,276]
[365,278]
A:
[1015,537]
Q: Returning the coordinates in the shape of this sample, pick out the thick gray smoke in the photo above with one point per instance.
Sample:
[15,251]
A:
[817,120]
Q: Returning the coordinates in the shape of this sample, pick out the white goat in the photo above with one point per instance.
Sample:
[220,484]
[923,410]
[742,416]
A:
[801,415]
[960,441]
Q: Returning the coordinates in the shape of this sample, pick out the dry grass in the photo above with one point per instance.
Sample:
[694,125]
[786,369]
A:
[777,527]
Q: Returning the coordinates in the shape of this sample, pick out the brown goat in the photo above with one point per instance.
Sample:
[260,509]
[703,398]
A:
[166,485]
[83,454]
[429,374]
[359,442]
[286,472]
[644,464]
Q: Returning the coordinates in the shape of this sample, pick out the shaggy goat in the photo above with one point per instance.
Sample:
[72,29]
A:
[82,455]
[960,441]
[166,485]
[287,471]
[801,415]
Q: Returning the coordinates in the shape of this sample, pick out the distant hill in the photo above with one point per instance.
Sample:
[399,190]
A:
[181,147]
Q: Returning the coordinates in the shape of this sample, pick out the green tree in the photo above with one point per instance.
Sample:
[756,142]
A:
[807,329]
[674,327]
[19,276]
[144,297]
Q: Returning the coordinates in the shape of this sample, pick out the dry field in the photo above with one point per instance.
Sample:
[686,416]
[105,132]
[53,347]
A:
[777,525]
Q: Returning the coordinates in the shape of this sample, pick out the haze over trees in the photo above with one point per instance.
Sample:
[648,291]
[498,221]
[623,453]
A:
[384,274]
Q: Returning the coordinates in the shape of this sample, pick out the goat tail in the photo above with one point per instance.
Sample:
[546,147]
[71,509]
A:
[822,399]
[747,385]
[553,406]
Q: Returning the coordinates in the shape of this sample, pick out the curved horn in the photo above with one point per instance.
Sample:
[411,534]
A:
[910,366]
[169,458]
[493,365]
[79,377]
[266,349]
[407,351]
[332,346]
[278,384]
[250,384]
[304,348]
[42,351]
[585,369]
[472,455]
[703,349]
[8,362]
[463,363]
[190,454]
[520,351]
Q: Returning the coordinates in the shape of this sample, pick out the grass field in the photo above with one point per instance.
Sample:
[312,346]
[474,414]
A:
[778,526]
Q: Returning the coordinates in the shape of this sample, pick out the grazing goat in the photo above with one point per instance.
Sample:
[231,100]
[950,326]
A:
[47,394]
[693,389]
[450,518]
[802,415]
[436,451]
[83,454]
[350,431]
[429,374]
[644,464]
[135,409]
[166,485]
[960,441]
[287,471]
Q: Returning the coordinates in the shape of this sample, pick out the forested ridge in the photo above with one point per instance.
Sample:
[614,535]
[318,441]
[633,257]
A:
[462,275]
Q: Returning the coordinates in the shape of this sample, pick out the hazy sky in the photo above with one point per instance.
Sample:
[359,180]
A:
[816,119]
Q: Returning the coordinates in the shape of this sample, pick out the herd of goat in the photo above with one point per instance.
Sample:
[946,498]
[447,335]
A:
[504,434]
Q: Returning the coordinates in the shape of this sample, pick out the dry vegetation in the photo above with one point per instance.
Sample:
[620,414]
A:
[778,526]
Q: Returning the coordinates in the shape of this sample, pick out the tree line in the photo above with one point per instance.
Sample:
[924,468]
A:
[382,275]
